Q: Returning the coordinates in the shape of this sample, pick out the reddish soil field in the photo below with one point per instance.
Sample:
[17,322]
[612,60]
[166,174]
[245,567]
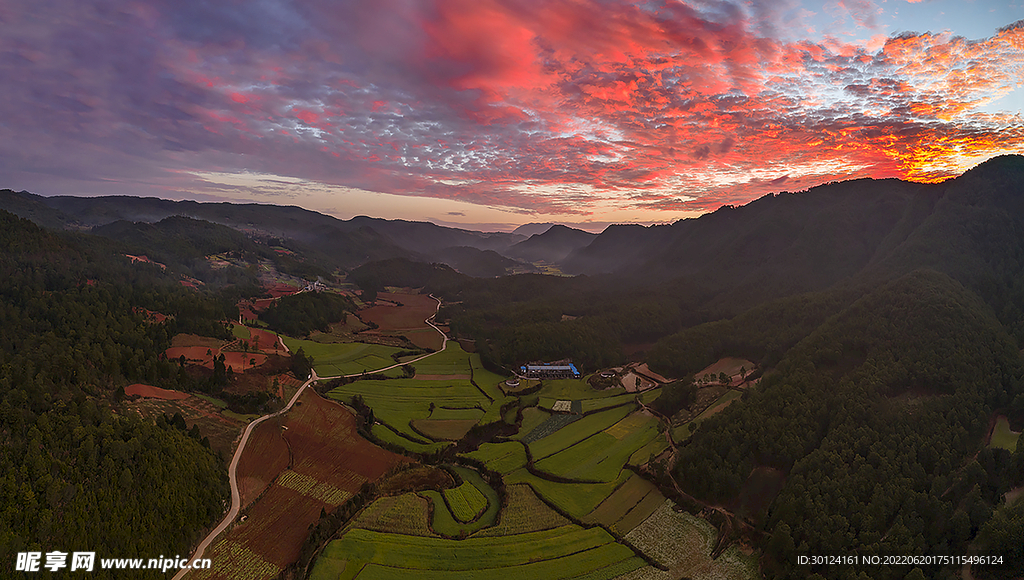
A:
[151,392]
[268,458]
[262,304]
[192,353]
[407,319]
[265,341]
[278,524]
[279,290]
[239,361]
[324,445]
[151,315]
[246,312]
[145,260]
[425,338]
[414,310]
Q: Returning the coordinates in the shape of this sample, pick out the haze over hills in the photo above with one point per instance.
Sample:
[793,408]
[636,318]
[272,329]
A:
[553,245]
[774,246]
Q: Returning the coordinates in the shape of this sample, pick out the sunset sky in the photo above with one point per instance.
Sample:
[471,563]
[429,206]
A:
[494,113]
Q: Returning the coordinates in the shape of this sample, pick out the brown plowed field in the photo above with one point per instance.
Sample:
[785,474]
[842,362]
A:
[281,289]
[262,304]
[239,361]
[151,392]
[414,310]
[325,448]
[256,471]
[407,319]
[192,353]
[265,341]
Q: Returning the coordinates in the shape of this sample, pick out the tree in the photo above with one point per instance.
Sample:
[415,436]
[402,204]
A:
[302,365]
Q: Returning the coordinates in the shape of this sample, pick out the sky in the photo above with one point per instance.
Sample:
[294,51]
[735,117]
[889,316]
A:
[488,114]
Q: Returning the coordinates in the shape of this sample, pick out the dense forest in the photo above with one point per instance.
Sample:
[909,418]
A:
[72,335]
[300,314]
[874,420]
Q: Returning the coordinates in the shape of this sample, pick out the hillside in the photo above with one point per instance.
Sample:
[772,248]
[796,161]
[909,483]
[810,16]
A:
[348,242]
[553,245]
[72,336]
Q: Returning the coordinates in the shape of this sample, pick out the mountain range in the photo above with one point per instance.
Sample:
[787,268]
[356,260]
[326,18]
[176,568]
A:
[777,245]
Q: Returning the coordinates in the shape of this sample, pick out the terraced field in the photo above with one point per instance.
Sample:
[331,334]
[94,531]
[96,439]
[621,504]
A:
[349,358]
[580,441]
[502,457]
[563,552]
[452,509]
[601,456]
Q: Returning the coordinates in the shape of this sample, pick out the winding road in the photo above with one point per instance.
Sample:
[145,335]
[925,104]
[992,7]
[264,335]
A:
[236,497]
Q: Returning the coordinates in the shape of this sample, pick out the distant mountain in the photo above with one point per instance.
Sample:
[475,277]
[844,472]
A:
[551,246]
[428,239]
[343,243]
[532,229]
[480,263]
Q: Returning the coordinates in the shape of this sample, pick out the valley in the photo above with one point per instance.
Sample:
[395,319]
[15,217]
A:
[722,396]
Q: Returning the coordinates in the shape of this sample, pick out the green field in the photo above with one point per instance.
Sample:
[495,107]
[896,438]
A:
[485,379]
[382,433]
[553,554]
[1003,437]
[648,452]
[578,431]
[240,331]
[575,499]
[447,523]
[601,456]
[456,414]
[493,413]
[450,361]
[524,512]
[346,358]
[399,401]
[212,400]
[618,504]
[502,457]
[465,502]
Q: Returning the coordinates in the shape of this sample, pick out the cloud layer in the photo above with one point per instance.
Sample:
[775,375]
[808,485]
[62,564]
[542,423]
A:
[556,106]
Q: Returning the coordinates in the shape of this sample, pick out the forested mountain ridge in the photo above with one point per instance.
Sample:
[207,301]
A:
[789,243]
[69,467]
[875,423]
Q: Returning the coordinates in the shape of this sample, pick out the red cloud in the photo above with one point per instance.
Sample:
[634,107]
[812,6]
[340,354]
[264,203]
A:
[536,106]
